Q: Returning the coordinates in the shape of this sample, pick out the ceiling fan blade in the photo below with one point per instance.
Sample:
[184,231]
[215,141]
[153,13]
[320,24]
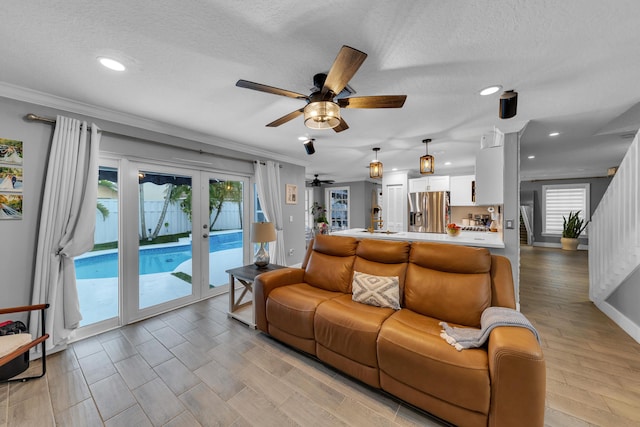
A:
[269,89]
[382,101]
[286,118]
[342,126]
[343,69]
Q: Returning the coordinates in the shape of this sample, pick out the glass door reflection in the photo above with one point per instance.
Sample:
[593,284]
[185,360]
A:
[165,241]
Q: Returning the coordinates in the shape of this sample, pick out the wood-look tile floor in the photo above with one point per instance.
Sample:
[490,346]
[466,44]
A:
[593,366]
[194,366]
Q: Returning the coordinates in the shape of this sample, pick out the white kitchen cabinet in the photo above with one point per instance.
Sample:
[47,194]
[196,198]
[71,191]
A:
[417,185]
[462,190]
[490,176]
[429,183]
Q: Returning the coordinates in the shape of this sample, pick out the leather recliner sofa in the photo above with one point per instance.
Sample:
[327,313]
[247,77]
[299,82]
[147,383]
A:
[400,350]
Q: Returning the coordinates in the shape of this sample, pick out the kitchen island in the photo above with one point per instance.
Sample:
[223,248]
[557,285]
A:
[483,239]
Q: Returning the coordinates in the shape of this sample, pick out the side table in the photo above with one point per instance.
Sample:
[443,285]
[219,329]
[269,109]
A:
[245,275]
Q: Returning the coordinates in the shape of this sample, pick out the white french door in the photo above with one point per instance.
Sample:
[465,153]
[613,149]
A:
[165,236]
[204,216]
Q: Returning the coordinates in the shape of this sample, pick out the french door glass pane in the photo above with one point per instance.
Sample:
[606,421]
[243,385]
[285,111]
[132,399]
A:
[97,271]
[165,251]
[339,208]
[226,210]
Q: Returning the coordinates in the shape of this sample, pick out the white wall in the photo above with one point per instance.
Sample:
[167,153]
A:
[511,207]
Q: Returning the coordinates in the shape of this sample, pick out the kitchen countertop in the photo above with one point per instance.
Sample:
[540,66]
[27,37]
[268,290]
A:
[484,239]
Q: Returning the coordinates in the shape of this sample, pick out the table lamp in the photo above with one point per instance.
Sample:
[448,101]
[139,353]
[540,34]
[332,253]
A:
[262,232]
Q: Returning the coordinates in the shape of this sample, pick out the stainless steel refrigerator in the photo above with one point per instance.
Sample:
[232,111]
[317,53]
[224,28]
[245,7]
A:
[429,211]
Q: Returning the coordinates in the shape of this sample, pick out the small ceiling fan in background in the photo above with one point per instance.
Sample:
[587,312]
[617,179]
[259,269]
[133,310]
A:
[318,182]
[323,104]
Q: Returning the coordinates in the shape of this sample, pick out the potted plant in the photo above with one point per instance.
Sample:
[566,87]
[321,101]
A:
[572,227]
[320,222]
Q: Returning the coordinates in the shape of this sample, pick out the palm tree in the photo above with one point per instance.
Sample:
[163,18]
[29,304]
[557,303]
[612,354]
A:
[221,192]
[172,194]
[104,211]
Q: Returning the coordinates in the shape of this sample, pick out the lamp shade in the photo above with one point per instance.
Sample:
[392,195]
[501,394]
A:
[263,232]
[426,165]
[322,115]
[427,162]
[375,169]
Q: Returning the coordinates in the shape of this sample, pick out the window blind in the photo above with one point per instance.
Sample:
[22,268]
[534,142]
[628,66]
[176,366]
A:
[559,200]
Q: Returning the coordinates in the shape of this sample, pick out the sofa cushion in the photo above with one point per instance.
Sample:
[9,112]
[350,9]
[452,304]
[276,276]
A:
[9,343]
[383,251]
[448,282]
[292,308]
[379,291]
[350,328]
[383,258]
[331,262]
[450,258]
[411,351]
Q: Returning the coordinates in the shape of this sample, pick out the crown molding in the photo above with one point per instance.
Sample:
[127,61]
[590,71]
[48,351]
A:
[59,103]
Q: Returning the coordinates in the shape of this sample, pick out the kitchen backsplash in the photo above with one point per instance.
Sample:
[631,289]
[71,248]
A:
[458,213]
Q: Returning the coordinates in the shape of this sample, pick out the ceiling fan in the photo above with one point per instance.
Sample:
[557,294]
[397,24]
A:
[318,182]
[323,104]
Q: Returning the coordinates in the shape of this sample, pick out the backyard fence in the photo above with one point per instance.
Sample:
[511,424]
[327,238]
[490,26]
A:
[176,220]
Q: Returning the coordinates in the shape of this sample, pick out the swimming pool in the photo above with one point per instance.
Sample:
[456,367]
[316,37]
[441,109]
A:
[152,259]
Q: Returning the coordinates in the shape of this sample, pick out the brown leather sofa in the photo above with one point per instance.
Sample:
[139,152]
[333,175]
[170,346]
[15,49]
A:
[401,351]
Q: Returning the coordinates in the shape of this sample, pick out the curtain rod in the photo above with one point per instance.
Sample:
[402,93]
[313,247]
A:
[264,164]
[35,118]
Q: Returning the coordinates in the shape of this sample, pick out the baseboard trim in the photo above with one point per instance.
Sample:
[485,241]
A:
[581,247]
[620,319]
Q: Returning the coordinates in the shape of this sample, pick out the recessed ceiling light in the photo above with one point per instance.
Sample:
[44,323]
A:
[303,138]
[490,90]
[531,157]
[394,169]
[111,64]
[447,163]
[554,134]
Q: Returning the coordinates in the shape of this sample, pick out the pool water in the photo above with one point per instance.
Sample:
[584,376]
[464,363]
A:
[152,259]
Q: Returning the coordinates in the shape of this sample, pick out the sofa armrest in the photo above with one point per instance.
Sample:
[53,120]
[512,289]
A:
[265,283]
[518,378]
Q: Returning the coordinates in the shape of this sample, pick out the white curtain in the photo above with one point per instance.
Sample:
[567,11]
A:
[267,178]
[67,224]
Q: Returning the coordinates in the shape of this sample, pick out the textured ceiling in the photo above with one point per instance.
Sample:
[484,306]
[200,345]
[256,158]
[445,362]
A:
[572,63]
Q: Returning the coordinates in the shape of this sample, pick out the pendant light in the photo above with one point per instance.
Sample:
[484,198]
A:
[427,166]
[375,167]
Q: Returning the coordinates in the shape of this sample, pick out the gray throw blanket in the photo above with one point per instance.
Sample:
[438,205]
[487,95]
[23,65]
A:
[491,318]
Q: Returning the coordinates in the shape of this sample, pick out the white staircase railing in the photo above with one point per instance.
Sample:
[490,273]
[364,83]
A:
[614,231]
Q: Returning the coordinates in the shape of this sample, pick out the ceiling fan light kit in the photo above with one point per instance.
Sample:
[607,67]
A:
[321,115]
[375,167]
[427,162]
[323,104]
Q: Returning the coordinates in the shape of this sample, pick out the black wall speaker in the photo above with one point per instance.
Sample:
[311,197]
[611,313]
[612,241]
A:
[308,146]
[508,104]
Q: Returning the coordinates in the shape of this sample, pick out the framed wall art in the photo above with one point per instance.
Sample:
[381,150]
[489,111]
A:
[10,179]
[291,192]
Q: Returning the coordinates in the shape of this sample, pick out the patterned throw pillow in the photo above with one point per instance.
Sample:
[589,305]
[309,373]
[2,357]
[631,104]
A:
[376,290]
